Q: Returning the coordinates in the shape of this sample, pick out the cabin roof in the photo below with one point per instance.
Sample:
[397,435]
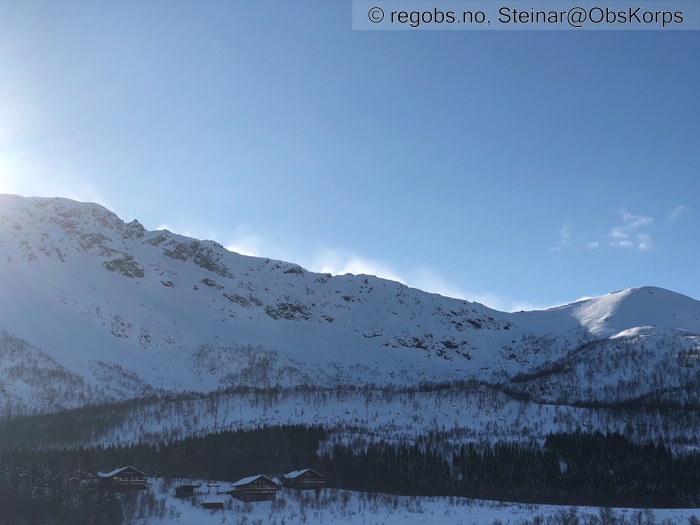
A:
[116,471]
[250,479]
[296,473]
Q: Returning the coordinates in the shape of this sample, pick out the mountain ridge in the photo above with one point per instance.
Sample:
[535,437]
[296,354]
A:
[116,304]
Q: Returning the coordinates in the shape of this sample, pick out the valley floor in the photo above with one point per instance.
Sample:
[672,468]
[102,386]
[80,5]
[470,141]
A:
[336,507]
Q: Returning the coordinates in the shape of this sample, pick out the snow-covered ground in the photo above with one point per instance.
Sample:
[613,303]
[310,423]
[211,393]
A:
[336,507]
[452,415]
[96,310]
[109,311]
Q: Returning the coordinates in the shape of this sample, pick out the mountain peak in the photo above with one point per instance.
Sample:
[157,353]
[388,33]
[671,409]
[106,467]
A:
[636,307]
[115,304]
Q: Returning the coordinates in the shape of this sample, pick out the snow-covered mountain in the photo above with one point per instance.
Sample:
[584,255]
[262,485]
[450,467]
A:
[95,309]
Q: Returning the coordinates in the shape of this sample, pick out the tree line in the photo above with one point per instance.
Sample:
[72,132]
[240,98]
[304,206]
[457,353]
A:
[570,468]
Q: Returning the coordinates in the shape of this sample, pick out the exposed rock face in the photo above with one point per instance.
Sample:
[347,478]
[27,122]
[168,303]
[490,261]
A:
[121,311]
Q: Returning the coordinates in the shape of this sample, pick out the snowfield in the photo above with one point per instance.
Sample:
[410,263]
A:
[340,507]
[160,337]
[103,310]
[454,415]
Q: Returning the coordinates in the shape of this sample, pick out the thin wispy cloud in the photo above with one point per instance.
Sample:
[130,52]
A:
[336,261]
[33,182]
[630,234]
[430,280]
[185,232]
[592,245]
[644,241]
[564,237]
[29,176]
[676,213]
[341,262]
[565,233]
[246,243]
[241,241]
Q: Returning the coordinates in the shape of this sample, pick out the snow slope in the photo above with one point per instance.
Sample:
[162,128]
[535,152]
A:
[331,506]
[122,312]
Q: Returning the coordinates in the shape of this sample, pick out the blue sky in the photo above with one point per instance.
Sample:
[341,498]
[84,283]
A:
[518,169]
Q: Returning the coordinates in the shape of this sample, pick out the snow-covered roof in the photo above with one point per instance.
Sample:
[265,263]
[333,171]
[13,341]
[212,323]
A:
[114,472]
[249,479]
[111,473]
[296,473]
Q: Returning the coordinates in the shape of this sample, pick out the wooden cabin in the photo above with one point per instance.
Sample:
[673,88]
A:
[187,491]
[304,479]
[254,488]
[125,478]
